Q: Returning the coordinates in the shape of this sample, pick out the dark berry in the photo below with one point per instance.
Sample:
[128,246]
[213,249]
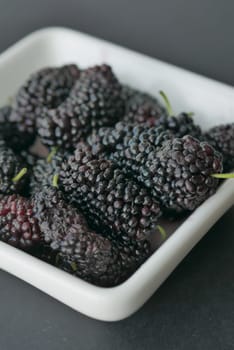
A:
[107,196]
[54,215]
[136,148]
[81,251]
[94,101]
[44,90]
[18,226]
[12,172]
[180,174]
[141,107]
[10,133]
[180,125]
[44,170]
[105,140]
[221,137]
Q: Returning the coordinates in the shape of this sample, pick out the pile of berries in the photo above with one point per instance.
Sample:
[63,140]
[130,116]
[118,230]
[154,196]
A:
[117,160]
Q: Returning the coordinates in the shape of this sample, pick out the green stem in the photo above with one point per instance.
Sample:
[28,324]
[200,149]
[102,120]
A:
[74,266]
[51,154]
[20,175]
[10,100]
[167,103]
[223,176]
[55,180]
[190,114]
[162,232]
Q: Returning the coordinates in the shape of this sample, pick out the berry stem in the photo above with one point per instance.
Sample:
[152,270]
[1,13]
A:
[51,154]
[162,232]
[223,176]
[20,175]
[167,103]
[10,100]
[190,114]
[74,266]
[55,180]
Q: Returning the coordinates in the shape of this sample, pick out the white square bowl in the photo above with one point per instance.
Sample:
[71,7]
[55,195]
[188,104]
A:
[212,102]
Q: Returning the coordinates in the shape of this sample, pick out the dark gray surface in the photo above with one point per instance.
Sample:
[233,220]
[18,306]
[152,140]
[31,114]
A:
[194,308]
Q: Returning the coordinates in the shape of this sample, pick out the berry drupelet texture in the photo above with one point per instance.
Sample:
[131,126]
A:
[105,141]
[55,215]
[95,101]
[12,172]
[221,137]
[141,107]
[150,157]
[122,258]
[80,250]
[134,150]
[44,170]
[18,226]
[100,142]
[92,213]
[180,125]
[108,197]
[132,253]
[91,257]
[10,133]
[180,174]
[44,90]
[108,140]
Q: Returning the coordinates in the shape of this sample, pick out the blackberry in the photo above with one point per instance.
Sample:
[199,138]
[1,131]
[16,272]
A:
[18,226]
[221,137]
[44,170]
[180,174]
[141,107]
[126,257]
[95,101]
[80,250]
[90,256]
[133,152]
[44,90]
[12,172]
[180,125]
[132,253]
[10,133]
[83,147]
[30,160]
[127,93]
[108,197]
[109,139]
[42,174]
[54,215]
[105,141]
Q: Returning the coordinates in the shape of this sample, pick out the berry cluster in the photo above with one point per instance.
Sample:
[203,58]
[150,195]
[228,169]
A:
[109,161]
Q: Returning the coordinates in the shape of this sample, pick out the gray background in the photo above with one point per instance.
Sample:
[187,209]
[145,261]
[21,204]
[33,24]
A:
[194,308]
